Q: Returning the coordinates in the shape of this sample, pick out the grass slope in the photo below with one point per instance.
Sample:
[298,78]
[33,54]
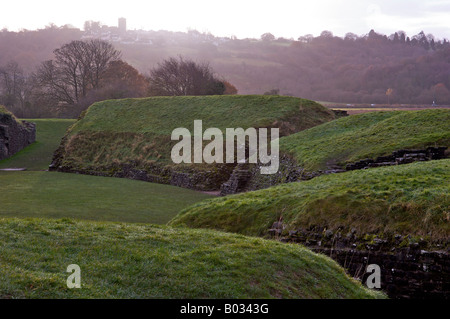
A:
[367,136]
[144,261]
[138,130]
[408,199]
[38,155]
[58,195]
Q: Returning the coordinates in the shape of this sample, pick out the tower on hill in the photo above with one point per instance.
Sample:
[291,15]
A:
[122,25]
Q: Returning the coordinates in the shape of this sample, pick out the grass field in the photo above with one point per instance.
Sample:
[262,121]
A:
[132,259]
[35,193]
[409,199]
[145,261]
[58,195]
[367,135]
[38,155]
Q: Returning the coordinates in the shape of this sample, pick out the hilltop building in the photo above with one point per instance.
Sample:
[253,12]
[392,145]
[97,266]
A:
[122,25]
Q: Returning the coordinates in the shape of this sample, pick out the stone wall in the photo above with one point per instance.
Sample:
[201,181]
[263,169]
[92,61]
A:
[405,274]
[411,268]
[14,135]
[289,171]
[207,179]
[400,157]
[238,180]
[340,113]
[247,177]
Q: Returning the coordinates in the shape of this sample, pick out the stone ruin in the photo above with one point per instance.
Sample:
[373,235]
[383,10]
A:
[411,268]
[14,134]
[246,177]
[400,157]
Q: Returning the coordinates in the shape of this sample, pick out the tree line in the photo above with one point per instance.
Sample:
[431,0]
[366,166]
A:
[83,72]
[369,69]
[372,68]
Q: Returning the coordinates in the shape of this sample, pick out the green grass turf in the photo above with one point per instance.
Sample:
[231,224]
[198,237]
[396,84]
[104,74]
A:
[139,130]
[161,115]
[136,260]
[58,195]
[410,199]
[367,135]
[145,261]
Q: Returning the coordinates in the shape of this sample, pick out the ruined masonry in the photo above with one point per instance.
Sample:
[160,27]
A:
[14,135]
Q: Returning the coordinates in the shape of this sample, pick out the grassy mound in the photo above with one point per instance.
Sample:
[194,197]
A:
[58,195]
[38,155]
[407,199]
[144,261]
[137,132]
[368,135]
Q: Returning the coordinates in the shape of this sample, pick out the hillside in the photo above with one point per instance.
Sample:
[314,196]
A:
[145,261]
[132,137]
[353,69]
[409,199]
[369,135]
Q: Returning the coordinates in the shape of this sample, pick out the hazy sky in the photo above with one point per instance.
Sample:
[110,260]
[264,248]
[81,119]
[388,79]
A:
[242,18]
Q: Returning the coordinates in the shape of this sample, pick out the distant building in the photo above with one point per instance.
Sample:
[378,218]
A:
[122,25]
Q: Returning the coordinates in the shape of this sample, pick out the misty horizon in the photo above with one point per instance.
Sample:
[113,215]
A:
[242,20]
[188,30]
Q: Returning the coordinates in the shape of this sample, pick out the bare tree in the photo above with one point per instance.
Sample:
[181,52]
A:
[54,84]
[184,77]
[77,68]
[101,53]
[13,89]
